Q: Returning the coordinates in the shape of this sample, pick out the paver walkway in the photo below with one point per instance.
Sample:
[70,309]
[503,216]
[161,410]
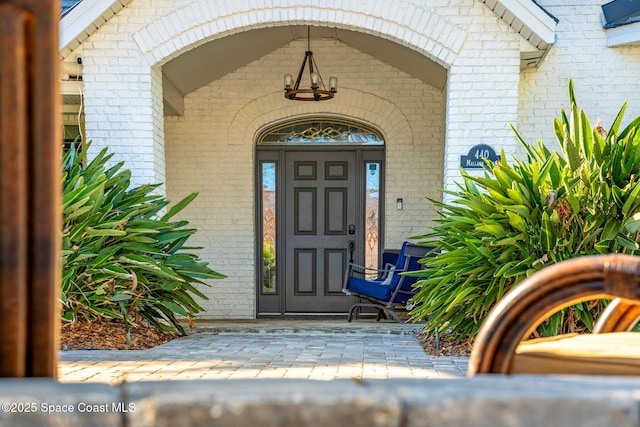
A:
[317,354]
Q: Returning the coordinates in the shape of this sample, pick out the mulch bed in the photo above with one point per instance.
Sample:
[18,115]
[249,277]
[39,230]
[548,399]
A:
[109,336]
[448,346]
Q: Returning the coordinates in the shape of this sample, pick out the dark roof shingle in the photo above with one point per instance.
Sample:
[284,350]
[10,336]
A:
[67,5]
[621,12]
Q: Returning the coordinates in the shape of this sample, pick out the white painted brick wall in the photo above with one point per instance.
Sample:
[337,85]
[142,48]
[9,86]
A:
[482,91]
[123,101]
[604,78]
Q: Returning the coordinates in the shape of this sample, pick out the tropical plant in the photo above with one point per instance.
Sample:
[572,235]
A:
[522,216]
[123,257]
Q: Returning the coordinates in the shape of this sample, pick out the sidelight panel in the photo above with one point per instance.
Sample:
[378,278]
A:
[268,199]
[372,214]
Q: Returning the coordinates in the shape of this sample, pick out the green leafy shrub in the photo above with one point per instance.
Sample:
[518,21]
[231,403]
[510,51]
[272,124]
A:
[522,216]
[120,258]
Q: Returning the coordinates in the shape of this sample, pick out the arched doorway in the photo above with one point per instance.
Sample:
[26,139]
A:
[320,184]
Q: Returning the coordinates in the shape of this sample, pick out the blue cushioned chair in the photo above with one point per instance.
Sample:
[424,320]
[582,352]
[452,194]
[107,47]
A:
[390,290]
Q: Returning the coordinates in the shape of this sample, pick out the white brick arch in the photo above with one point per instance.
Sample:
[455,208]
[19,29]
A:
[382,114]
[406,23]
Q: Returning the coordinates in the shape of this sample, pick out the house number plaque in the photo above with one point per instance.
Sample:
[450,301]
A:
[473,160]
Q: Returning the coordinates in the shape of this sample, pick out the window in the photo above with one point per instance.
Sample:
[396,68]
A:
[71,134]
[372,214]
[320,131]
[268,181]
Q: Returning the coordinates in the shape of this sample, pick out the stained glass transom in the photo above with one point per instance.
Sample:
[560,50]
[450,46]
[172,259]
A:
[320,131]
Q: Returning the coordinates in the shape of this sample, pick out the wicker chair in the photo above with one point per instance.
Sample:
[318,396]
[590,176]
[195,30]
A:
[610,350]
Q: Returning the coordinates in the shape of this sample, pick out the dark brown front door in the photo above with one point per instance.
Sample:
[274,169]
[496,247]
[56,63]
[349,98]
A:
[320,222]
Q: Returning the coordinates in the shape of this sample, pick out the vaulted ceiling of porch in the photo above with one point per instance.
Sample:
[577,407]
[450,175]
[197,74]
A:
[211,61]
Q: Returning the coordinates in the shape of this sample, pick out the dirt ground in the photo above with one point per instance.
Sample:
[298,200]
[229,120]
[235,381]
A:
[109,336]
[448,347]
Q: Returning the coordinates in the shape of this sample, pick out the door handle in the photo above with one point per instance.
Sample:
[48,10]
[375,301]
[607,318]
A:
[352,247]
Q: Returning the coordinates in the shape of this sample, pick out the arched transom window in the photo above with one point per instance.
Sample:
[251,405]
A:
[320,131]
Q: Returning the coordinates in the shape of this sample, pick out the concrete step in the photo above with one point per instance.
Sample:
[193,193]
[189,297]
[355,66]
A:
[307,326]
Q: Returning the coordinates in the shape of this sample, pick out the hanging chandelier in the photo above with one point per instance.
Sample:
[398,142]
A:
[317,91]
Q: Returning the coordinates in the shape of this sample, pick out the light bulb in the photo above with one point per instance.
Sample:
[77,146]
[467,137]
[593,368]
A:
[288,79]
[314,79]
[333,84]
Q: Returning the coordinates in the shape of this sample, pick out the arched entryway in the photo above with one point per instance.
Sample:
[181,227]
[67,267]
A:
[320,190]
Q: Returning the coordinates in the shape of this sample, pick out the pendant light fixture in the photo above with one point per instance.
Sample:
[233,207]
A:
[317,91]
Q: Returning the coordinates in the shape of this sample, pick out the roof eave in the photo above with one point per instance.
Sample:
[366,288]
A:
[83,19]
[529,19]
[535,24]
[624,35]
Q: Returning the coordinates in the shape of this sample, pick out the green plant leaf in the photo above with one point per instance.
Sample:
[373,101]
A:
[90,231]
[627,242]
[179,206]
[120,297]
[493,229]
[610,230]
[516,221]
[633,200]
[632,224]
[175,308]
[618,120]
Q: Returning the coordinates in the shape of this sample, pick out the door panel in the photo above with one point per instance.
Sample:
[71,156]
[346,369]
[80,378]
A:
[335,264]
[335,212]
[305,211]
[320,190]
[304,263]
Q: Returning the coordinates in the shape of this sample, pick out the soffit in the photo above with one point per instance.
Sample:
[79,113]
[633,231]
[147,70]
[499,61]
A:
[211,61]
[83,19]
[532,22]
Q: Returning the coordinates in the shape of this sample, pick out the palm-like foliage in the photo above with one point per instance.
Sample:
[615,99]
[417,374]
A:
[122,257]
[521,216]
